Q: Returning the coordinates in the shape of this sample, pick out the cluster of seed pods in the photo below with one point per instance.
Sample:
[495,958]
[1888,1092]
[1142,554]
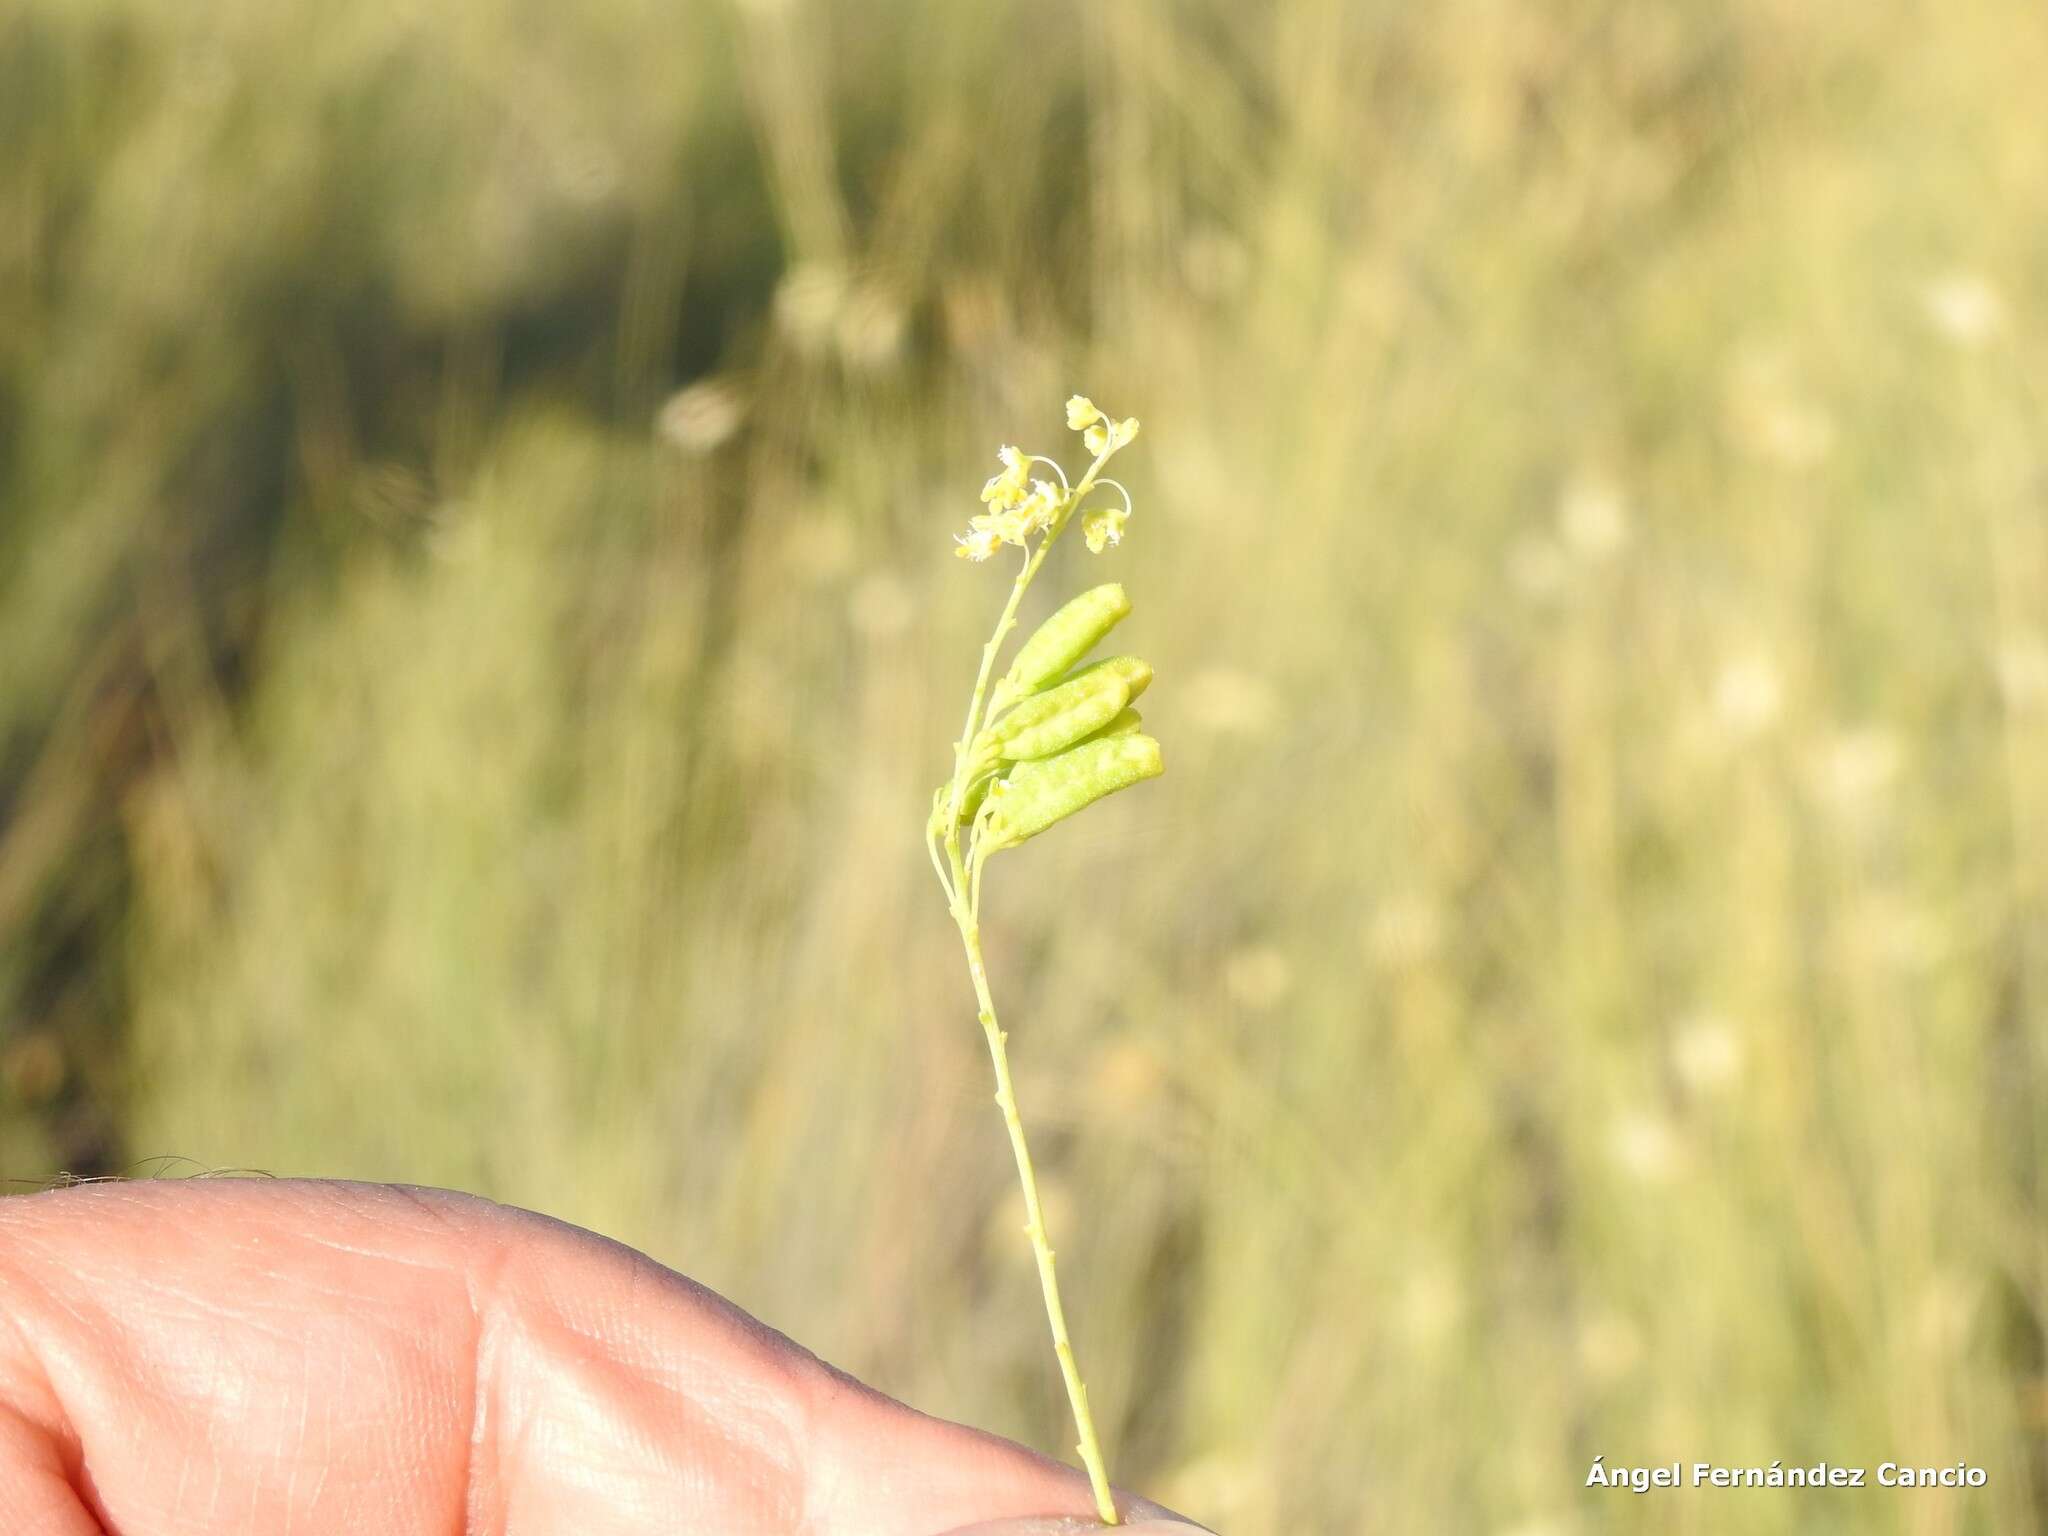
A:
[1060,736]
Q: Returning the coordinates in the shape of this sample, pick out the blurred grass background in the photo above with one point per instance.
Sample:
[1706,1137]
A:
[477,633]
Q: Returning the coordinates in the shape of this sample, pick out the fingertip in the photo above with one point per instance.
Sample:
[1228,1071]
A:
[1069,1525]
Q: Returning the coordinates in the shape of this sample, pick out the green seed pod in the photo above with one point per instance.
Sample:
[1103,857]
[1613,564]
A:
[1064,639]
[1041,793]
[1137,675]
[971,801]
[1126,723]
[1052,721]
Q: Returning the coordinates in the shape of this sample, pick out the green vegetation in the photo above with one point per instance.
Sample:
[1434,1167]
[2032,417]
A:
[1041,746]
[475,628]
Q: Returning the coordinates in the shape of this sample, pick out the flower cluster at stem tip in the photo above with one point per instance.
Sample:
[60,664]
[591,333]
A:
[1020,505]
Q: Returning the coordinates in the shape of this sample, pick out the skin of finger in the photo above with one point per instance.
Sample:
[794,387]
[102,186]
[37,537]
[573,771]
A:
[252,1356]
[1075,1527]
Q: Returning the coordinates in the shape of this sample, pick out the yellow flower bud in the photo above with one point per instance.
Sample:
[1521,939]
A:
[1082,412]
[1106,435]
[1103,528]
[1007,489]
[1037,510]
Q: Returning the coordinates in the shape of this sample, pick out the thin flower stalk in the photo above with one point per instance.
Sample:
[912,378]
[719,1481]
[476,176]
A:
[1014,777]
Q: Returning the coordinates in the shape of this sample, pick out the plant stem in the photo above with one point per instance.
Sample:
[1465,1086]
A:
[1004,625]
[1090,1446]
[964,897]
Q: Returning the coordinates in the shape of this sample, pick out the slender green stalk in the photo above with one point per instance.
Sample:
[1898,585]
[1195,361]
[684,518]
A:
[1090,1444]
[1004,625]
[1067,779]
[965,891]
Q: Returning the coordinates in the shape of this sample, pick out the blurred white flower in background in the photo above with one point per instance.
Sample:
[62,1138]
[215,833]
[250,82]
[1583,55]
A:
[808,302]
[1748,696]
[1853,772]
[1643,1146]
[1431,1303]
[1592,518]
[1964,308]
[1706,1053]
[702,416]
[2022,667]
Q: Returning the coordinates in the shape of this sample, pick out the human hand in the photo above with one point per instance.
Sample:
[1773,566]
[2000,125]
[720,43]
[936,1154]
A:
[259,1358]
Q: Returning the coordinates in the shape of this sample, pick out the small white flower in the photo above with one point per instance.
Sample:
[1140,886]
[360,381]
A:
[1005,490]
[1106,435]
[1103,528]
[977,544]
[1040,507]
